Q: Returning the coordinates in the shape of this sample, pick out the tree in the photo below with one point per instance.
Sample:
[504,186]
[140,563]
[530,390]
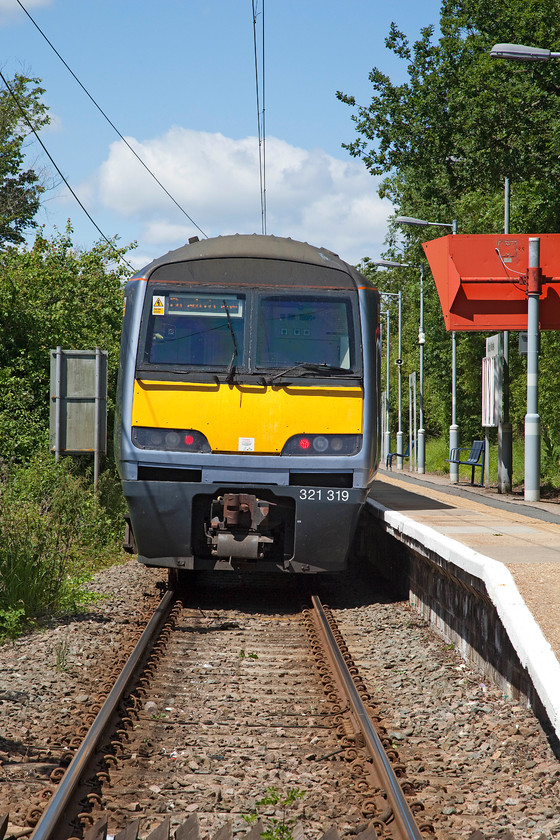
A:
[20,189]
[444,140]
[51,294]
[463,121]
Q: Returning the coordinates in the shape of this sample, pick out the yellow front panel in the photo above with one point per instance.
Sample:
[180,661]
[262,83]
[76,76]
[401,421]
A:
[251,418]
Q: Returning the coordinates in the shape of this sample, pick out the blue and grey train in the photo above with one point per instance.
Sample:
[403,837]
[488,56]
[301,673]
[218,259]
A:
[248,430]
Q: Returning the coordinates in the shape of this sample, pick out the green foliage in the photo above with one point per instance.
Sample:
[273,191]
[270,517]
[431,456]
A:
[51,295]
[444,140]
[54,533]
[243,654]
[463,120]
[12,621]
[20,190]
[437,450]
[276,828]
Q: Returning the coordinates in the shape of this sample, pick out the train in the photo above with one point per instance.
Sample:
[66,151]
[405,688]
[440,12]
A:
[247,430]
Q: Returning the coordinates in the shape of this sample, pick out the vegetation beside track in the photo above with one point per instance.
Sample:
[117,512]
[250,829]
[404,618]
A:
[56,532]
[437,450]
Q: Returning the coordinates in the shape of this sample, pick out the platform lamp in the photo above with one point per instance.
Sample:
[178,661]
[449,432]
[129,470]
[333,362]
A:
[390,264]
[532,491]
[519,52]
[386,431]
[454,428]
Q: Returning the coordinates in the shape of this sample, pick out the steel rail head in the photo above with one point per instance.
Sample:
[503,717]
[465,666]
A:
[401,809]
[48,823]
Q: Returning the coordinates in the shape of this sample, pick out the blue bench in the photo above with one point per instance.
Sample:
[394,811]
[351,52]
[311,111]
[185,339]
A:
[475,458]
[391,455]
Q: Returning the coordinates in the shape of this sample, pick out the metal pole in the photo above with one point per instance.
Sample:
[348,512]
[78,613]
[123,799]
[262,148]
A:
[97,422]
[399,430]
[412,427]
[505,445]
[410,422]
[421,339]
[58,404]
[387,428]
[532,419]
[454,428]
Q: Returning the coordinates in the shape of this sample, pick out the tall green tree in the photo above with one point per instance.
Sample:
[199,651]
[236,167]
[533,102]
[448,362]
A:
[51,294]
[444,140]
[21,108]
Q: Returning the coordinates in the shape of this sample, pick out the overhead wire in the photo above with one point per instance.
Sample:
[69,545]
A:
[113,126]
[260,94]
[46,151]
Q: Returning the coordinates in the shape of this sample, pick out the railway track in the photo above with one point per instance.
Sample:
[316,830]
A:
[191,711]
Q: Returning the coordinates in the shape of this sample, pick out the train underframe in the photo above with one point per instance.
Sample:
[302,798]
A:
[270,528]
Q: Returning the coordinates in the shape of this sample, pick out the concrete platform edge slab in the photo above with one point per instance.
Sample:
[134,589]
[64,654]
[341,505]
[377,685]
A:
[533,650]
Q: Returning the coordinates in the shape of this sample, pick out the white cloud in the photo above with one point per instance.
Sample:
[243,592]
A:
[9,9]
[310,195]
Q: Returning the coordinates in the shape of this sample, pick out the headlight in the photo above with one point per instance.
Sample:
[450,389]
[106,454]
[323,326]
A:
[170,440]
[322,445]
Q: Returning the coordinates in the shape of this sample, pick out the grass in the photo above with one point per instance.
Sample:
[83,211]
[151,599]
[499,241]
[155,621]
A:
[437,450]
[55,533]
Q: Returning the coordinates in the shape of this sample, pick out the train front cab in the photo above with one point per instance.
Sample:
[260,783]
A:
[285,455]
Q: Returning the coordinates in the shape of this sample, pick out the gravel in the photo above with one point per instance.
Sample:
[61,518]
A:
[482,761]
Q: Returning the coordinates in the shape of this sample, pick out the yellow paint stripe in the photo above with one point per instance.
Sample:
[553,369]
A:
[267,415]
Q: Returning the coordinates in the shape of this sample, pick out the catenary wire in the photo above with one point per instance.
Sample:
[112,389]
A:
[113,126]
[46,151]
[263,118]
[260,114]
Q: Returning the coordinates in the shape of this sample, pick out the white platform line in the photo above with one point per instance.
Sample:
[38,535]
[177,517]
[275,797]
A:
[533,650]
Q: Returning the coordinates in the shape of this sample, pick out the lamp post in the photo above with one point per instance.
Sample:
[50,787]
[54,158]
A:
[519,52]
[421,448]
[391,264]
[386,430]
[532,491]
[454,428]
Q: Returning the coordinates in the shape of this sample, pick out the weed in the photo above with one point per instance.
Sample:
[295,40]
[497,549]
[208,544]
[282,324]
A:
[11,623]
[276,828]
[62,650]
[244,655]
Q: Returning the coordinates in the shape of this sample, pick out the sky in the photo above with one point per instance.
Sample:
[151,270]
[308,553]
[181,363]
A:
[177,79]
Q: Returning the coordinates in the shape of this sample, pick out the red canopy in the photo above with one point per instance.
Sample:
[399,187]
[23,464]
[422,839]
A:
[481,280]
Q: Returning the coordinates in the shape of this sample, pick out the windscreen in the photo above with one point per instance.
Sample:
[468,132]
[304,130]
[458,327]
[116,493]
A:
[194,330]
[294,330]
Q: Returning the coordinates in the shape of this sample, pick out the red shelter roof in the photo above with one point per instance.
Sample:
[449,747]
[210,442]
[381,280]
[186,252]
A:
[481,280]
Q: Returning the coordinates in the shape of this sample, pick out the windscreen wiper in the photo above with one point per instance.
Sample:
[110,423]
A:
[229,374]
[321,367]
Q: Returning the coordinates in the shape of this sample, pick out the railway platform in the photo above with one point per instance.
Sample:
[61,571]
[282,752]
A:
[507,547]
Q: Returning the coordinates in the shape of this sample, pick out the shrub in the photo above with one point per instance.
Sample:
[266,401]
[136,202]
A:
[54,534]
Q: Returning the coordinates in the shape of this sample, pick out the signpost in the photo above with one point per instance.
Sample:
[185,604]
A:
[78,404]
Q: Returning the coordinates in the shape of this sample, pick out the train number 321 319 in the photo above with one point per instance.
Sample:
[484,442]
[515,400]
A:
[320,494]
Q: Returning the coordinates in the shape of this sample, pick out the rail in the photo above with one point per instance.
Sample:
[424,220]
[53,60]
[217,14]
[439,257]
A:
[402,813]
[47,827]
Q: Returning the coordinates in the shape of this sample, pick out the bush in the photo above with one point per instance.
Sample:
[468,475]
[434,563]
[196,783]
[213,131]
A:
[54,534]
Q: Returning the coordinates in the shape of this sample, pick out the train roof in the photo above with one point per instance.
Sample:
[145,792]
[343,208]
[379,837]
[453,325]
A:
[253,246]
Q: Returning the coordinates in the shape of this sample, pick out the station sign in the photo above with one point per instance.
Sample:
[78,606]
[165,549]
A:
[492,382]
